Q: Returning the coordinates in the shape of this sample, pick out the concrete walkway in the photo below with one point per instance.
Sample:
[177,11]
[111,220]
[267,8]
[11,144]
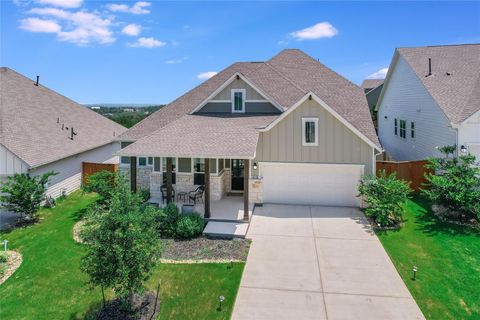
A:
[312,262]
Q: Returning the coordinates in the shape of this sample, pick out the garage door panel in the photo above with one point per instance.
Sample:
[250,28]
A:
[310,183]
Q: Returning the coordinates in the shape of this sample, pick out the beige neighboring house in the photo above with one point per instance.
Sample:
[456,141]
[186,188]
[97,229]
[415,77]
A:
[286,130]
[41,130]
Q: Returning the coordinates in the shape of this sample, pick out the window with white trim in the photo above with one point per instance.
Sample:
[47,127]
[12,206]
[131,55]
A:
[142,161]
[238,100]
[310,131]
[403,129]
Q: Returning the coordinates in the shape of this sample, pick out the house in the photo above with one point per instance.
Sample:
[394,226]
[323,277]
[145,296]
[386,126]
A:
[286,130]
[431,98]
[41,130]
[372,89]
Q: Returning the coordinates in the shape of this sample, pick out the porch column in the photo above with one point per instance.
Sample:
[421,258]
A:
[207,189]
[169,180]
[133,174]
[246,177]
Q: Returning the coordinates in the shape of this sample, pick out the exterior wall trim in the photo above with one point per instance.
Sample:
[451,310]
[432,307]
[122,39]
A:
[329,109]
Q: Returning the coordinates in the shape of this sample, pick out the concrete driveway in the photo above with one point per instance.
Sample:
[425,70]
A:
[313,262]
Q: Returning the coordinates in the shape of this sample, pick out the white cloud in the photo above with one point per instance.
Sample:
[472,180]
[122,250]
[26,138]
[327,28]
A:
[132,30]
[206,75]
[282,43]
[61,3]
[318,31]
[40,25]
[137,8]
[380,74]
[147,43]
[176,61]
[81,27]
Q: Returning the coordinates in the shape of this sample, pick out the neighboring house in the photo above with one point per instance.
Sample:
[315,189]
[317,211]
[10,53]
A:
[431,98]
[41,130]
[287,130]
[372,89]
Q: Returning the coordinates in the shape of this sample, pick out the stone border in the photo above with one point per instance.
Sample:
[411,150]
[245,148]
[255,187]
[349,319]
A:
[76,231]
[13,262]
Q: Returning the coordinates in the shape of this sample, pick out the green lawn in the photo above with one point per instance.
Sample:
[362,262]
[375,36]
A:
[448,261]
[50,285]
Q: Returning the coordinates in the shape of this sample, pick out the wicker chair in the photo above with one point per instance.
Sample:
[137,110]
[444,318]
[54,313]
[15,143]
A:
[196,195]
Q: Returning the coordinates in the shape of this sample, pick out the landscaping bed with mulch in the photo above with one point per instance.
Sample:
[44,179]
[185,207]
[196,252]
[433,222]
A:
[203,249]
[14,260]
[145,307]
[447,215]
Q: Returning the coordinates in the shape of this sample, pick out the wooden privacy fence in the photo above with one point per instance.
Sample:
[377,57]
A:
[89,168]
[413,171]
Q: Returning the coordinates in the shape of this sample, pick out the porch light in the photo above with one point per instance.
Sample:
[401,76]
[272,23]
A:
[254,166]
[463,149]
[414,273]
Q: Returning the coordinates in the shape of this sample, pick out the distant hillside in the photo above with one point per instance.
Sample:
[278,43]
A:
[125,114]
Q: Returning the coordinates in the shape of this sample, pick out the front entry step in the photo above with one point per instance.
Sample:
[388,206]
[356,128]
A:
[233,229]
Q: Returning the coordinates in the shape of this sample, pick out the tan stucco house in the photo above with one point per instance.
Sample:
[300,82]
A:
[286,130]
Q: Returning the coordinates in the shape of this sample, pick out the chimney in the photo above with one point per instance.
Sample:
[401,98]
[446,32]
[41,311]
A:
[38,79]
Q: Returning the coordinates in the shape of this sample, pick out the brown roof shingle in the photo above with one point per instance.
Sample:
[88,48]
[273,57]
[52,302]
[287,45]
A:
[28,122]
[371,83]
[455,79]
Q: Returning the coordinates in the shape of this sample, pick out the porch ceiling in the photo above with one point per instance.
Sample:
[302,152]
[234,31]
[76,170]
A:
[203,136]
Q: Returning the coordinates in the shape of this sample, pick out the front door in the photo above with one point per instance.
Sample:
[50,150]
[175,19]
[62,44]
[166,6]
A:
[237,174]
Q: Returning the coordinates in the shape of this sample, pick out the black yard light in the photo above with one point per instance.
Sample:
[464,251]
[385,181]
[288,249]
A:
[255,166]
[414,273]
[220,301]
[463,149]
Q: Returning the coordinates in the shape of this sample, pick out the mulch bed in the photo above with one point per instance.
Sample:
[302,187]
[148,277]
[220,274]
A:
[13,262]
[446,215]
[143,309]
[205,249]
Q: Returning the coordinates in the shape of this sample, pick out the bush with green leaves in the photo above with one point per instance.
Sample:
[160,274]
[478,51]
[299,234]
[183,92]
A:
[24,193]
[144,194]
[455,185]
[122,243]
[168,220]
[190,226]
[3,257]
[103,183]
[385,196]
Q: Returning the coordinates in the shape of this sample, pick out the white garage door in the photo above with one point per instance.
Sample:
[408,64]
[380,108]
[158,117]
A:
[319,184]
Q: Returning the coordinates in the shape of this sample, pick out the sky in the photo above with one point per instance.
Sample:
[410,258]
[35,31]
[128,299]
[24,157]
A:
[151,52]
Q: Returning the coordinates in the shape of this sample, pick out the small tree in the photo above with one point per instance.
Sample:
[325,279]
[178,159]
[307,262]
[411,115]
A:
[24,193]
[455,185]
[103,183]
[385,197]
[122,243]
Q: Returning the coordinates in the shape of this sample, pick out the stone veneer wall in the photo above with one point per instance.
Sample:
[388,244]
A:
[255,190]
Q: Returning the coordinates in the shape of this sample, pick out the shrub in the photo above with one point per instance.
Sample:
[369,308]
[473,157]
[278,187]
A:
[3,257]
[189,226]
[144,195]
[168,219]
[455,185]
[24,193]
[103,183]
[385,196]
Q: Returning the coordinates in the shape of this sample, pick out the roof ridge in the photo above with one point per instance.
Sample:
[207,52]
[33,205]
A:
[442,45]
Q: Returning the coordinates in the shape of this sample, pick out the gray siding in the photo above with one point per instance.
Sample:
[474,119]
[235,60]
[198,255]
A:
[250,107]
[10,163]
[406,98]
[336,143]
[225,94]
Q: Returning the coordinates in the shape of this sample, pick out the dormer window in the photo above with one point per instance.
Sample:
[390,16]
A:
[238,100]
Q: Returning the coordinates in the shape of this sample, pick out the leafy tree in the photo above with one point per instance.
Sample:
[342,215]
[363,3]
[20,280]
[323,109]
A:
[385,196]
[122,243]
[24,193]
[455,184]
[103,183]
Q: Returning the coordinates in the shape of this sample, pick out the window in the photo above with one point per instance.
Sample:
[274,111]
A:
[184,165]
[396,126]
[142,161]
[310,131]
[412,130]
[199,171]
[156,164]
[150,161]
[238,100]
[124,160]
[174,169]
[403,129]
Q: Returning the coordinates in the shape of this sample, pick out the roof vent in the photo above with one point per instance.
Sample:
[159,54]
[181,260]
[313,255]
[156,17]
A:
[72,133]
[38,80]
[429,67]
[448,73]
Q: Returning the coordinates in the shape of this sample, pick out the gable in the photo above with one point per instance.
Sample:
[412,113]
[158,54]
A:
[251,93]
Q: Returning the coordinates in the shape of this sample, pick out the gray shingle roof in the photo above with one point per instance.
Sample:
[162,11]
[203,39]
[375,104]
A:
[203,136]
[285,78]
[371,83]
[28,122]
[458,94]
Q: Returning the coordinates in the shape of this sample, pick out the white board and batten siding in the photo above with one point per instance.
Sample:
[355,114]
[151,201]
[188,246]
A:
[69,178]
[10,163]
[405,98]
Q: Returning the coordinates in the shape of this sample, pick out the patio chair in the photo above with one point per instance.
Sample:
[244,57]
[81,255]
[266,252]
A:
[196,195]
[163,189]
